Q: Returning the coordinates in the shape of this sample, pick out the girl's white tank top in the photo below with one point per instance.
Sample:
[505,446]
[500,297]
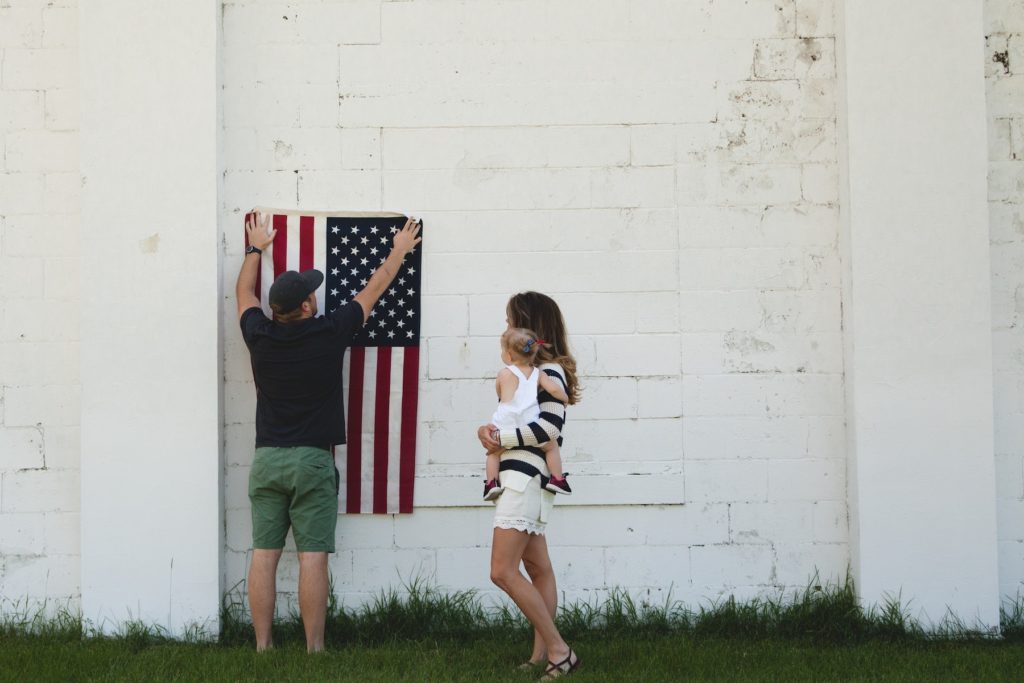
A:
[523,408]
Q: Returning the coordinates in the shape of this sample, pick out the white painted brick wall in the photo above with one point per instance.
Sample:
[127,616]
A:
[39,372]
[687,148]
[1004,69]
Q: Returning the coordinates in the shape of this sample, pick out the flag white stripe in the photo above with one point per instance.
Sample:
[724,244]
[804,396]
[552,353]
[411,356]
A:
[341,452]
[266,279]
[320,258]
[366,451]
[293,243]
[395,426]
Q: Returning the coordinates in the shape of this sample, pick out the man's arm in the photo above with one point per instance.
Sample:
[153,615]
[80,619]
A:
[405,239]
[260,237]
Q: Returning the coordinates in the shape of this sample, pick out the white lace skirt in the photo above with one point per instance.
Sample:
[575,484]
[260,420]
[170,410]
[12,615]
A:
[523,505]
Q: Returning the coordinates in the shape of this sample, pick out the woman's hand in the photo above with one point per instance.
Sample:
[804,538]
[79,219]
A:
[486,440]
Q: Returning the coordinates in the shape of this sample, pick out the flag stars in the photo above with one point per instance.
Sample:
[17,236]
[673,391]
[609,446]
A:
[391,334]
[364,261]
[334,271]
[334,251]
[355,229]
[409,334]
[412,271]
[401,323]
[344,240]
[334,230]
[411,292]
[364,240]
[334,292]
[374,229]
[372,335]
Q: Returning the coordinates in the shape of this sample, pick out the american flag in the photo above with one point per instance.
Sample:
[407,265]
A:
[381,369]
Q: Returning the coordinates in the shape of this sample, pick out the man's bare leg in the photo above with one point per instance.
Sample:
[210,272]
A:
[313,598]
[262,593]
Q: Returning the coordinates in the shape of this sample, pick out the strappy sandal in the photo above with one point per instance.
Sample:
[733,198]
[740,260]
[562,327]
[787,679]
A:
[562,668]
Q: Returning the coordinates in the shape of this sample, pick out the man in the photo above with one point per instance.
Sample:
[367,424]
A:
[297,365]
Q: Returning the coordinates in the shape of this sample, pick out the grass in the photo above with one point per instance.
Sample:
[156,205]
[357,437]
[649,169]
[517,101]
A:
[419,633]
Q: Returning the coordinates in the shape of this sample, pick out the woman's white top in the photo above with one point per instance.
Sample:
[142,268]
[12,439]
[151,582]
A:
[523,408]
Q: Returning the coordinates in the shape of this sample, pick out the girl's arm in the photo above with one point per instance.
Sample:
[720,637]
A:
[548,426]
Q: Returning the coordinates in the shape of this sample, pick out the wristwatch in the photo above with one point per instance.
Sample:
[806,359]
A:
[253,250]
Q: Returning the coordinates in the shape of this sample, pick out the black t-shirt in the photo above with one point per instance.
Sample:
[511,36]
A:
[297,367]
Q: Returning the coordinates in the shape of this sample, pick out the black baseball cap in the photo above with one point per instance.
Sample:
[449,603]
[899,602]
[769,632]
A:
[291,288]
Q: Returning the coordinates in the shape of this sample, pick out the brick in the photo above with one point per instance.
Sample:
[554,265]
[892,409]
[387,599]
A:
[63,191]
[1005,180]
[820,183]
[810,480]
[754,268]
[41,491]
[444,528]
[1010,476]
[780,59]
[760,18]
[726,481]
[1005,95]
[285,64]
[775,100]
[36,69]
[238,530]
[350,22]
[22,534]
[636,355]
[23,193]
[1000,146]
[611,398]
[375,569]
[774,522]
[465,569]
[660,397]
[454,357]
[779,141]
[61,281]
[506,147]
[488,189]
[32,319]
[239,402]
[773,226]
[668,20]
[763,395]
[727,566]
[21,277]
[63,534]
[597,229]
[60,27]
[1011,567]
[591,445]
[799,565]
[551,273]
[30,577]
[815,18]
[746,352]
[21,27]
[41,235]
[581,567]
[21,448]
[361,148]
[831,523]
[1003,16]
[20,108]
[1009,518]
[243,189]
[329,189]
[40,363]
[444,315]
[633,187]
[62,447]
[778,437]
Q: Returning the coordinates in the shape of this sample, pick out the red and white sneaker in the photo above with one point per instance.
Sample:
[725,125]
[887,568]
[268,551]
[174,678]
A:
[559,485]
[492,489]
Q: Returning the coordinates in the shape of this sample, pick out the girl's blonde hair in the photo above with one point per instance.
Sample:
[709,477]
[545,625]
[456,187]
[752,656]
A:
[522,344]
[536,311]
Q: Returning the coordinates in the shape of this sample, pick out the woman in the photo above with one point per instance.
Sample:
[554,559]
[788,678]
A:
[522,511]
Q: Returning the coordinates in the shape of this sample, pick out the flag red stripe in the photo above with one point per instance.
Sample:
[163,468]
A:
[305,243]
[380,430]
[280,245]
[353,468]
[407,450]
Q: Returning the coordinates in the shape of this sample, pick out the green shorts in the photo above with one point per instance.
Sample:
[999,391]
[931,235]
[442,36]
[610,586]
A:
[296,487]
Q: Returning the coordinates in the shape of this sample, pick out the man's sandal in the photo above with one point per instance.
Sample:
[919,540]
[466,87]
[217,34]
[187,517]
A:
[563,668]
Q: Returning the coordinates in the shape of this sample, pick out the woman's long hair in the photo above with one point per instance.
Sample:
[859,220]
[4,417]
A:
[540,313]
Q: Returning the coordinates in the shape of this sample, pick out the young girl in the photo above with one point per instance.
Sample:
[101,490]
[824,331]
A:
[517,405]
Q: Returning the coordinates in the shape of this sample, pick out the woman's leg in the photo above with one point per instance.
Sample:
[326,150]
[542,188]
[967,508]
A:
[507,551]
[538,567]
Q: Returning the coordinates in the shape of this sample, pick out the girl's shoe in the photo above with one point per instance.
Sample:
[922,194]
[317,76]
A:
[492,489]
[559,485]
